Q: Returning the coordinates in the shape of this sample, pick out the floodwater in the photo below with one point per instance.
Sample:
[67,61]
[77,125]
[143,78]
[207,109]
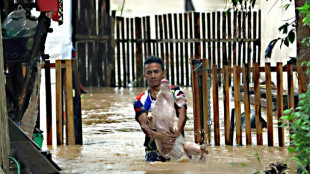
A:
[113,142]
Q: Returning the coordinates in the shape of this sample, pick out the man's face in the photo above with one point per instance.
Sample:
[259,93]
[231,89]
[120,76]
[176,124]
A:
[153,74]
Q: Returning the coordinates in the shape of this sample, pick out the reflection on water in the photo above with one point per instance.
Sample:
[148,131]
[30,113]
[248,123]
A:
[113,142]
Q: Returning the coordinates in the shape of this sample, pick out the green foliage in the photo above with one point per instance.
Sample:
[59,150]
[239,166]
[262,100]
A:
[298,122]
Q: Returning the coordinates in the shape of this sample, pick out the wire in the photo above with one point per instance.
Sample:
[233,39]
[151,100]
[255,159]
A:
[18,167]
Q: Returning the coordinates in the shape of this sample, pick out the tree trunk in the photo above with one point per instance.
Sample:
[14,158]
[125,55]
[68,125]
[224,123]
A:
[4,131]
[302,31]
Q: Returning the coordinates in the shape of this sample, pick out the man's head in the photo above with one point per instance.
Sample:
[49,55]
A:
[154,72]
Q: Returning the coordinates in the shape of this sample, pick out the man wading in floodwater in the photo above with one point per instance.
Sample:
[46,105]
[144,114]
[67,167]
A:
[153,73]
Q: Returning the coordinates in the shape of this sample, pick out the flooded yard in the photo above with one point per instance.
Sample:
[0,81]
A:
[113,142]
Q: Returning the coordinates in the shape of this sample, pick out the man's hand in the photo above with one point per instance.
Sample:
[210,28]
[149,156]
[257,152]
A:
[167,138]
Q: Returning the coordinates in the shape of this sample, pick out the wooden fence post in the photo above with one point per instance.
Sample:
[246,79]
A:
[139,56]
[256,74]
[205,98]
[269,104]
[226,104]
[216,106]
[237,104]
[246,98]
[4,129]
[196,102]
[49,120]
[59,103]
[70,138]
[279,70]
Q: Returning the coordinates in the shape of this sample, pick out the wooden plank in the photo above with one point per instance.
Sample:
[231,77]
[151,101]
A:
[218,29]
[229,55]
[249,26]
[300,76]
[139,56]
[77,104]
[209,37]
[166,46]
[93,63]
[172,68]
[181,19]
[161,36]
[280,102]
[102,63]
[148,36]
[111,71]
[256,74]
[196,102]
[118,50]
[213,14]
[290,85]
[191,36]
[237,104]
[59,103]
[186,23]
[204,44]
[124,59]
[226,104]
[216,106]
[290,89]
[156,48]
[224,36]
[132,50]
[197,35]
[247,112]
[244,28]
[4,127]
[70,138]
[205,98]
[254,36]
[128,52]
[259,34]
[235,36]
[144,43]
[269,104]
[177,57]
[49,129]
[239,58]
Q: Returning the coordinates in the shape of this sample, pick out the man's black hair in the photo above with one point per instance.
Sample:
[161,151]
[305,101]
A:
[154,59]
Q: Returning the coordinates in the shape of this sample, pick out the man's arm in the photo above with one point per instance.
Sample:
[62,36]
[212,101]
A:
[182,120]
[167,138]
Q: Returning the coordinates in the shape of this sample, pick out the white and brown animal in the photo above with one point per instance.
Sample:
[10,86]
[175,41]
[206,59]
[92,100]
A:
[163,117]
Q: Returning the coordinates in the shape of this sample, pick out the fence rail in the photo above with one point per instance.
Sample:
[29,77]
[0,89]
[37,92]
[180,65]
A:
[243,90]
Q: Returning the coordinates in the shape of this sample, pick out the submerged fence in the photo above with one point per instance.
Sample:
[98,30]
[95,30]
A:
[250,95]
[111,50]
[222,38]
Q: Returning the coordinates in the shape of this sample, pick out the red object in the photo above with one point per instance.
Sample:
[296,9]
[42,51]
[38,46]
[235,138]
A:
[47,5]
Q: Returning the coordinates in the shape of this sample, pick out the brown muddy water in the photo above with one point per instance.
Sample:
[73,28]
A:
[113,142]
